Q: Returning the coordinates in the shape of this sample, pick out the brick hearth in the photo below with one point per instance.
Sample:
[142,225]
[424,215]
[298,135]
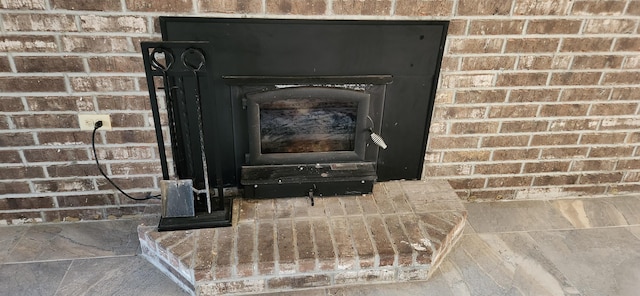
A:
[399,233]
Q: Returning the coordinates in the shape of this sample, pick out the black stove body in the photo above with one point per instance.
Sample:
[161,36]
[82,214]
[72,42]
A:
[294,107]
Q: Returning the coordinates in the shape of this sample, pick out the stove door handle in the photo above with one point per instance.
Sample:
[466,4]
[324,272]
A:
[378,140]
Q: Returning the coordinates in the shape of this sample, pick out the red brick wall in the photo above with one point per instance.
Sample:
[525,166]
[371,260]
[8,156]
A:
[537,99]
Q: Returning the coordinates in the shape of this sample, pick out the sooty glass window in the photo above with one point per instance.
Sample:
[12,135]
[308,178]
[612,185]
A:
[307,125]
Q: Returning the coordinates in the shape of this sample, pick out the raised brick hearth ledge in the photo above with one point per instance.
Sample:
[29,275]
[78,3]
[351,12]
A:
[399,233]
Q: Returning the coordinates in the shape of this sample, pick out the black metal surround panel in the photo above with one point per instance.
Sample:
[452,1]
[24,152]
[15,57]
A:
[410,51]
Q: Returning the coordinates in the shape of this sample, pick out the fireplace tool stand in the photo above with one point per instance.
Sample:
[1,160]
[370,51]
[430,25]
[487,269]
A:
[197,198]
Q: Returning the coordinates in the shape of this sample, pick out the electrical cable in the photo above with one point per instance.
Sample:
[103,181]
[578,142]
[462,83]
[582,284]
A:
[96,126]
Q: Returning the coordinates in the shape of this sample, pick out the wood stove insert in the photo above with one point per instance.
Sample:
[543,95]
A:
[308,135]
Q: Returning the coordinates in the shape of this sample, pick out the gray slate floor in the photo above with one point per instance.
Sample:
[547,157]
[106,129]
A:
[565,247]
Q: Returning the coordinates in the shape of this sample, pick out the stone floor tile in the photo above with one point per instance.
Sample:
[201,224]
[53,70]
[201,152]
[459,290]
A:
[532,272]
[514,216]
[627,278]
[629,206]
[477,280]
[307,292]
[128,275]
[468,229]
[453,278]
[37,278]
[9,237]
[76,240]
[599,261]
[435,286]
[635,230]
[587,213]
[488,259]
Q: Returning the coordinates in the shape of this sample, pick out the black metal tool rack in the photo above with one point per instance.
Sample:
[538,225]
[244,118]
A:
[179,69]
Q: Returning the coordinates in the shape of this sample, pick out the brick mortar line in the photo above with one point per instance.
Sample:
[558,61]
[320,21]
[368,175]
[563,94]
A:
[74,208]
[534,118]
[452,16]
[534,87]
[531,135]
[73,34]
[334,245]
[548,186]
[76,112]
[74,94]
[194,258]
[626,6]
[72,54]
[71,163]
[548,54]
[77,129]
[538,174]
[524,36]
[231,15]
[537,160]
[74,74]
[81,192]
[28,164]
[295,249]
[136,93]
[532,71]
[593,118]
[440,90]
[450,38]
[276,248]
[607,101]
[233,261]
[94,191]
[83,146]
[314,243]
[70,75]
[533,175]
[528,161]
[444,72]
[538,187]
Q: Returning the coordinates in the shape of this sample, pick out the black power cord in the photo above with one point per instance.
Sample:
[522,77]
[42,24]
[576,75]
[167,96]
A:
[96,126]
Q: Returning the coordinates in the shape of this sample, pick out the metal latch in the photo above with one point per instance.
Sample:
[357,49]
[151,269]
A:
[312,191]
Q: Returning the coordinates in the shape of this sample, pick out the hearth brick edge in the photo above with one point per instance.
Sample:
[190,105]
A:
[536,99]
[400,232]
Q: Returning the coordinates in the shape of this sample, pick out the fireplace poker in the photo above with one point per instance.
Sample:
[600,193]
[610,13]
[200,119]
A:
[163,68]
[195,68]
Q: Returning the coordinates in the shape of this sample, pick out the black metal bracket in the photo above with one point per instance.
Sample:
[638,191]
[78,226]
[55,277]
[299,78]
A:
[179,68]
